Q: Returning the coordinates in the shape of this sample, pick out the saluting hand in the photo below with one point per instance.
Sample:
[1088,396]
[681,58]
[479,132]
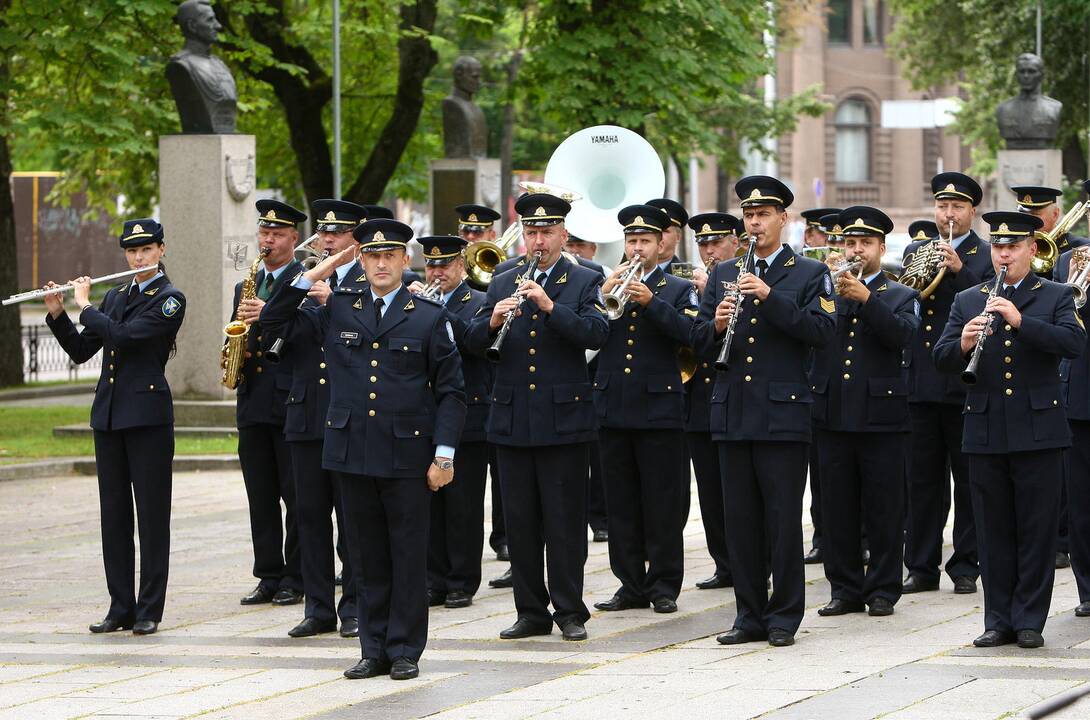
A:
[325,268]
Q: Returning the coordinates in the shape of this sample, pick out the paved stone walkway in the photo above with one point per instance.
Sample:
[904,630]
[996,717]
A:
[216,659]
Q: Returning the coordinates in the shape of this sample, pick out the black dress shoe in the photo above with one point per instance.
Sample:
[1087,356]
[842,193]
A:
[108,625]
[1083,610]
[367,668]
[813,557]
[458,599]
[287,596]
[338,581]
[780,638]
[737,636]
[1063,560]
[312,626]
[664,605]
[993,638]
[503,581]
[436,598]
[404,669]
[715,582]
[524,629]
[350,628]
[503,554]
[573,630]
[619,602]
[836,606]
[964,585]
[145,627]
[601,536]
[880,607]
[1030,639]
[915,584]
[258,596]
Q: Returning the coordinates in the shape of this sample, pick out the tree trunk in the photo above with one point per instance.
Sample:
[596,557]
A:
[1074,162]
[507,138]
[11,347]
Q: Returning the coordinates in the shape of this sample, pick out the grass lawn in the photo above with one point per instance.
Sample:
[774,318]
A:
[26,433]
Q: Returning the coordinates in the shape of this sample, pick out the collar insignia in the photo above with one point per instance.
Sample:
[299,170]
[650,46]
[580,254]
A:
[662,282]
[1037,285]
[152,291]
[361,278]
[358,304]
[984,290]
[883,287]
[972,252]
[467,297]
[563,279]
[739,263]
[790,262]
[409,305]
[521,262]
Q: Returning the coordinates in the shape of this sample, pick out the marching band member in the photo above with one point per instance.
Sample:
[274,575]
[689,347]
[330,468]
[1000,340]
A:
[396,410]
[542,417]
[815,234]
[1044,202]
[861,419]
[760,409]
[716,236]
[261,401]
[935,402]
[674,233]
[132,417]
[1015,426]
[638,394]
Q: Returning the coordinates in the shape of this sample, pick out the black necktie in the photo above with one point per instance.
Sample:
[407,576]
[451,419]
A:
[333,281]
[541,279]
[762,268]
[378,311]
[1008,292]
[266,287]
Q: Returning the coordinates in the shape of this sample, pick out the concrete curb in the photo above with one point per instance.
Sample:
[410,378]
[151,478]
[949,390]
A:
[29,393]
[54,467]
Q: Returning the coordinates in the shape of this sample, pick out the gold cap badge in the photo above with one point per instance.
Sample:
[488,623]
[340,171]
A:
[137,228]
[271,215]
[1003,228]
[330,215]
[950,188]
[540,212]
[638,220]
[472,217]
[1027,199]
[706,228]
[379,237]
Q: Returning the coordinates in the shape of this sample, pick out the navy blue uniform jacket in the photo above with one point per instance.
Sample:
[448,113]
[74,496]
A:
[1075,372]
[462,307]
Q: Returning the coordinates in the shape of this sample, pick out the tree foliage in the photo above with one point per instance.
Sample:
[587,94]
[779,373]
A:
[976,43]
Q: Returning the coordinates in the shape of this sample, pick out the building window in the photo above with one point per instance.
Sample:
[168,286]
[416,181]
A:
[872,22]
[853,129]
[840,21]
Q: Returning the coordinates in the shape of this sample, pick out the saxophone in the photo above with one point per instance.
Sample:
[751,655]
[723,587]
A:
[236,333]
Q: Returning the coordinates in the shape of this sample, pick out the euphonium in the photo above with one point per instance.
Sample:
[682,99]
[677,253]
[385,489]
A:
[1079,277]
[236,332]
[923,269]
[617,298]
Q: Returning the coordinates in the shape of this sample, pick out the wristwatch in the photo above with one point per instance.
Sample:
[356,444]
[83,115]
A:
[442,464]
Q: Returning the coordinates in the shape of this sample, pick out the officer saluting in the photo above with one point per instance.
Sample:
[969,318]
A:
[456,536]
[133,420]
[542,417]
[638,393]
[861,420]
[1015,427]
[396,411]
[760,409]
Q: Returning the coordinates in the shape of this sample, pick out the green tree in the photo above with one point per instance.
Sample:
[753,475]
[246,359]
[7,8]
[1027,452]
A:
[976,42]
[11,351]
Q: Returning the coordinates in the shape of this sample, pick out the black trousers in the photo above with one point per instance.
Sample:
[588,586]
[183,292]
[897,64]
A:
[135,463]
[266,471]
[597,516]
[456,536]
[1063,531]
[1077,478]
[815,495]
[387,524]
[709,489]
[317,497]
[545,507]
[935,454]
[1016,501]
[498,537]
[862,479]
[645,473]
[763,483]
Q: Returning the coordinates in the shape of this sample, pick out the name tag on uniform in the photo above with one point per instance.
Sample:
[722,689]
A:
[349,335]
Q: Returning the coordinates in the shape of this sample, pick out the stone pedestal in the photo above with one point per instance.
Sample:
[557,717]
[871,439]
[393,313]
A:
[1026,167]
[456,181]
[206,197]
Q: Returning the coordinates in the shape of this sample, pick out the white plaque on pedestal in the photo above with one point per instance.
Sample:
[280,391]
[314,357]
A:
[459,181]
[1026,167]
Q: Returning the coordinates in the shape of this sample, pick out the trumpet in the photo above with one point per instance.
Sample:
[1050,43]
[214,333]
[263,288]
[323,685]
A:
[493,351]
[307,255]
[617,298]
[722,363]
[35,294]
[855,266]
[1080,278]
[969,375]
[432,291]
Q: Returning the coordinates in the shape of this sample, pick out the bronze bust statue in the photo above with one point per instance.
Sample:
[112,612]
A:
[465,133]
[1031,120]
[203,88]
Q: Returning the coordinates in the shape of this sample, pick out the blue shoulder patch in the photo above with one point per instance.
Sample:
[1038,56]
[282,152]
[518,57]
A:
[171,306]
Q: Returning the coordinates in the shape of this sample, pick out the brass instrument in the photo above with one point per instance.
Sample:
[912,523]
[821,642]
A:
[35,294]
[1079,278]
[235,332]
[722,363]
[432,291]
[493,351]
[307,255]
[483,256]
[1048,243]
[848,266]
[617,298]
[969,375]
[923,269]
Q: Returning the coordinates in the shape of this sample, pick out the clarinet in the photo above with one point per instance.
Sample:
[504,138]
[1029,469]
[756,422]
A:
[969,376]
[493,352]
[722,363]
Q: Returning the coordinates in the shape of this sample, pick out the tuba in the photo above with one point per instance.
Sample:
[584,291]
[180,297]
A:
[236,332]
[923,269]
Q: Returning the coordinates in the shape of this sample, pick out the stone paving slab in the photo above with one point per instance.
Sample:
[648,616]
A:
[216,659]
